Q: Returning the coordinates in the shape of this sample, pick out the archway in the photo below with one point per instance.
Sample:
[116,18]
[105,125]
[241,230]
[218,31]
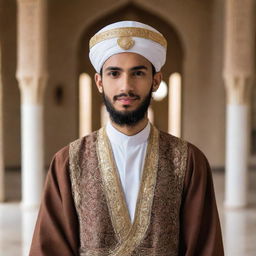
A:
[174,61]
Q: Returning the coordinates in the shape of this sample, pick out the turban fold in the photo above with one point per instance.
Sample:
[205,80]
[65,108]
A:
[128,36]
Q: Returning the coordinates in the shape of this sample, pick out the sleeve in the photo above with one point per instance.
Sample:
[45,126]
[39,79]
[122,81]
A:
[56,231]
[200,231]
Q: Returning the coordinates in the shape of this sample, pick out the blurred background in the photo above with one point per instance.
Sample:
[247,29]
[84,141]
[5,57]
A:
[48,98]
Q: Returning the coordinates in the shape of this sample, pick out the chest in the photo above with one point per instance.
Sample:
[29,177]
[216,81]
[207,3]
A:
[105,227]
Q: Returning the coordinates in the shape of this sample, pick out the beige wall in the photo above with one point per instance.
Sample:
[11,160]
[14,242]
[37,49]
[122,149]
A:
[173,64]
[203,99]
[11,99]
[198,28]
[253,112]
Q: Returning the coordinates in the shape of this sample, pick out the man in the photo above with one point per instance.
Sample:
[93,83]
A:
[128,188]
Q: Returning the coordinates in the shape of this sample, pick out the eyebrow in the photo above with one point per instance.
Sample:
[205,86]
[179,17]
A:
[111,68]
[139,67]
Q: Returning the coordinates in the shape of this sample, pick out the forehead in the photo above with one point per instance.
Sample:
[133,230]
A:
[126,60]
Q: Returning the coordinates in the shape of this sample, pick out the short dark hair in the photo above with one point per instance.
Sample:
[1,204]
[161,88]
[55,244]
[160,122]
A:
[153,70]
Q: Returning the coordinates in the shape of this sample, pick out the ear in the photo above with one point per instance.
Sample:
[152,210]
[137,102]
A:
[157,80]
[98,81]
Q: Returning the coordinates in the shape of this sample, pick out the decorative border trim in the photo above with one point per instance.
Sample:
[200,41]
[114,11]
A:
[112,187]
[180,169]
[130,235]
[145,198]
[128,32]
[75,170]
[75,173]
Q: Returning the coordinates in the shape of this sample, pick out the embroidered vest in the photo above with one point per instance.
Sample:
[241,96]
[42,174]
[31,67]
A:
[105,226]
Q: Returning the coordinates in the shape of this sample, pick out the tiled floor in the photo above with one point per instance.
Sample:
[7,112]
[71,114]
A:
[238,226]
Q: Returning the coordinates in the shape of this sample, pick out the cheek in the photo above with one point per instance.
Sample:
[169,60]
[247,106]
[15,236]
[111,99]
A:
[111,86]
[108,91]
[145,87]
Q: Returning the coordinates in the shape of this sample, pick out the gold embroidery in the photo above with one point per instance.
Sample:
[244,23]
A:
[165,160]
[133,233]
[75,175]
[75,171]
[96,231]
[112,187]
[94,252]
[181,164]
[145,198]
[130,32]
[126,42]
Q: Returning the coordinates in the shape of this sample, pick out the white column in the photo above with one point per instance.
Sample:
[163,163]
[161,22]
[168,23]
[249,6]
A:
[2,194]
[32,153]
[236,155]
[104,116]
[85,105]
[151,114]
[238,74]
[31,74]
[174,103]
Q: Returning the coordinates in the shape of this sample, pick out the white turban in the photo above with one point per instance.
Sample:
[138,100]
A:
[128,36]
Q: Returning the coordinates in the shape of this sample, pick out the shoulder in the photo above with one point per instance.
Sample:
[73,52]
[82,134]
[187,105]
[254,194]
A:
[196,156]
[64,153]
[169,140]
[193,151]
[190,156]
[198,171]
[61,159]
[83,142]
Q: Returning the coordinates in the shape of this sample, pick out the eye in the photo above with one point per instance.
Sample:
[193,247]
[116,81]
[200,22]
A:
[113,73]
[138,73]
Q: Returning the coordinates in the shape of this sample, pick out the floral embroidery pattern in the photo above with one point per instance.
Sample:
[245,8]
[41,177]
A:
[103,231]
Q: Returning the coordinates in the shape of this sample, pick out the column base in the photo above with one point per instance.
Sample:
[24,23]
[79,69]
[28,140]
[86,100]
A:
[236,173]
[32,155]
[29,207]
[233,207]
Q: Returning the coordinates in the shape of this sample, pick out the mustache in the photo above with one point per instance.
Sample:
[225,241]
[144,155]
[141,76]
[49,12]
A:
[130,94]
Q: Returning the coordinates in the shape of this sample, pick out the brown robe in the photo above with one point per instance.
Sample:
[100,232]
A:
[70,224]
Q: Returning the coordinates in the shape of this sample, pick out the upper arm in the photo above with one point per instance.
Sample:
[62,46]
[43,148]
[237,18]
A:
[56,231]
[200,232]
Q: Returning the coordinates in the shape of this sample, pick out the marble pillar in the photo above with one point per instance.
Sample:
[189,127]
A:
[238,76]
[85,105]
[174,109]
[32,76]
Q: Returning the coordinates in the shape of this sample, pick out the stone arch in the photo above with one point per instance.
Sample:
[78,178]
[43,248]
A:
[174,63]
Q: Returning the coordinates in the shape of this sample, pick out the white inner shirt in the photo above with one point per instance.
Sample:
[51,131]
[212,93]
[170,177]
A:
[129,154]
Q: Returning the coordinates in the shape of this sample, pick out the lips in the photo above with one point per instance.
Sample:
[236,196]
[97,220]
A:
[126,100]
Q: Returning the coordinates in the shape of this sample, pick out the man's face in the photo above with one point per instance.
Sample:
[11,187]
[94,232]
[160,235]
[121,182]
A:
[126,83]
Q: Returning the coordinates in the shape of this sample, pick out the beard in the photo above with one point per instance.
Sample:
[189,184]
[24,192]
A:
[127,118]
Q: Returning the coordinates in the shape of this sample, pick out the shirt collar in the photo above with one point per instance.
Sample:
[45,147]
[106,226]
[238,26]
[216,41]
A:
[116,137]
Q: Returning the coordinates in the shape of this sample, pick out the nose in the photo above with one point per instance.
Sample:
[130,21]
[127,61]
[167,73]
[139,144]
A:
[126,84]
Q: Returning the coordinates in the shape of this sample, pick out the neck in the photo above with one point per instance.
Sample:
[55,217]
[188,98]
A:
[131,130]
